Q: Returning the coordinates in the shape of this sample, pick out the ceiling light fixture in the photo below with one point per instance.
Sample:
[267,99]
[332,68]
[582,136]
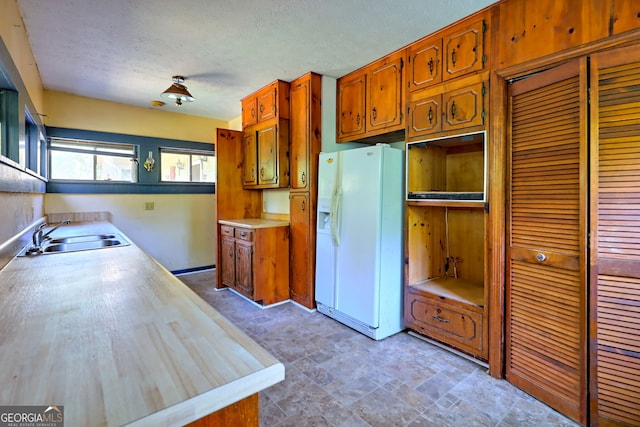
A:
[178,91]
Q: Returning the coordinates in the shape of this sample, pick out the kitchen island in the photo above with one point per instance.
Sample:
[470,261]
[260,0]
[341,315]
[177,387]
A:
[116,339]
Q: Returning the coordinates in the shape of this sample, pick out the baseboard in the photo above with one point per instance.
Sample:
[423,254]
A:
[193,270]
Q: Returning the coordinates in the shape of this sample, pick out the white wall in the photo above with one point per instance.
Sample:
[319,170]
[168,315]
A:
[179,232]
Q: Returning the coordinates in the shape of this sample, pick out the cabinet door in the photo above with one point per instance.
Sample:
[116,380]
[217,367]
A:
[463,108]
[249,163]
[227,259]
[384,93]
[351,98]
[244,267]
[425,116]
[300,130]
[615,238]
[302,254]
[249,111]
[425,64]
[267,154]
[546,338]
[463,51]
[267,103]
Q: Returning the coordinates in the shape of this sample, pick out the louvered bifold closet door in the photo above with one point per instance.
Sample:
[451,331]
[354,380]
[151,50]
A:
[615,233]
[546,230]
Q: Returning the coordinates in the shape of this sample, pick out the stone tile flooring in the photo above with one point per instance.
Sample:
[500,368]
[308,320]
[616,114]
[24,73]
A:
[335,376]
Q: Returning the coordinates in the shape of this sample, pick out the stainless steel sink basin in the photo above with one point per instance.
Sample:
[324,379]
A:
[76,243]
[80,246]
[79,239]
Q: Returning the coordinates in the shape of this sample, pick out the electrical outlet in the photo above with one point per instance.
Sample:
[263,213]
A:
[149,206]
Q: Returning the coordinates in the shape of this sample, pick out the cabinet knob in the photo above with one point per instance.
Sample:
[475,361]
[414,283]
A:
[541,257]
[302,206]
[262,172]
[440,319]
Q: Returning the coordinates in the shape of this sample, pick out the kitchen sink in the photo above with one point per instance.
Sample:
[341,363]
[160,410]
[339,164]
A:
[76,243]
[80,239]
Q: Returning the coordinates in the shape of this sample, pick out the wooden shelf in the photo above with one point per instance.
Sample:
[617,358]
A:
[454,289]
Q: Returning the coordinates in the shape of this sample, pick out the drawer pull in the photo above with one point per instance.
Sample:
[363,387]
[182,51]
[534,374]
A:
[541,257]
[430,115]
[440,319]
[430,64]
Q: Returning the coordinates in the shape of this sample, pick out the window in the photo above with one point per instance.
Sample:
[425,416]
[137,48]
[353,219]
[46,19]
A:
[187,165]
[91,161]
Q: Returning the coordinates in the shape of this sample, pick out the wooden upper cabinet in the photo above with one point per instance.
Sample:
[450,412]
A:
[425,63]
[250,161]
[371,99]
[249,111]
[265,141]
[463,108]
[351,100]
[266,155]
[447,109]
[463,51]
[445,56]
[304,126]
[385,94]
[267,103]
[270,102]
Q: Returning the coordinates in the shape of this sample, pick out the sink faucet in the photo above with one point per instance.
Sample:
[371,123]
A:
[39,235]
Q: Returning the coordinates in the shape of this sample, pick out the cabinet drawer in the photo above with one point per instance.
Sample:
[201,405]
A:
[462,327]
[244,234]
[225,230]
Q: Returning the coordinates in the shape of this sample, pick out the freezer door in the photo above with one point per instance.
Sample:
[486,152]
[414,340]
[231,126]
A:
[325,251]
[358,256]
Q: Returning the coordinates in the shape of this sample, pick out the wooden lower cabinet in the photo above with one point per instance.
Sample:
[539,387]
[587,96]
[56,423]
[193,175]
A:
[303,244]
[445,319]
[242,413]
[255,262]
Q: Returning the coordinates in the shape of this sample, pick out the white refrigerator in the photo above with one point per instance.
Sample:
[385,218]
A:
[359,239]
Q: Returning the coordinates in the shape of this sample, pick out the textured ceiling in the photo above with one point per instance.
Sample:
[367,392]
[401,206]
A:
[127,50]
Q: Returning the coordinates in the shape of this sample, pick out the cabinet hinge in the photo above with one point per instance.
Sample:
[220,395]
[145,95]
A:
[484,59]
[484,90]
[486,207]
[588,96]
[484,115]
[484,27]
[401,63]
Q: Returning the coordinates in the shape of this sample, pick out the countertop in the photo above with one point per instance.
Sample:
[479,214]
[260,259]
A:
[254,222]
[118,340]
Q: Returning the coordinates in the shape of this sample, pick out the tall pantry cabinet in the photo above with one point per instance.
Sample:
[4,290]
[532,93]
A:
[305,124]
[446,292]
[573,239]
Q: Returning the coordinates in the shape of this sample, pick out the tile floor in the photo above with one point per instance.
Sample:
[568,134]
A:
[336,376]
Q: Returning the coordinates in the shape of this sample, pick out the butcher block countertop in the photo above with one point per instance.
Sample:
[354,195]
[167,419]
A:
[254,222]
[116,339]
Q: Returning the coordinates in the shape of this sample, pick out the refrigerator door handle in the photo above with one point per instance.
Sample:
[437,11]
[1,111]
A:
[336,196]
